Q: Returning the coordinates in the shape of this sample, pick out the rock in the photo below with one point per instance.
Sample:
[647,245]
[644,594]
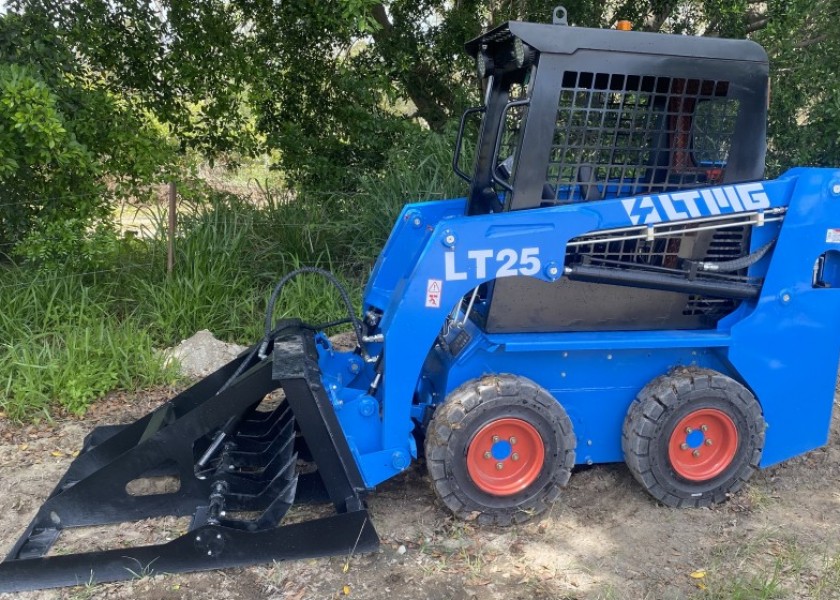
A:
[343,341]
[453,545]
[501,543]
[202,354]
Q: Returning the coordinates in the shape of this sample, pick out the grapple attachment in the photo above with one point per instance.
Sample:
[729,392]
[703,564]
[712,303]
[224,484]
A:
[236,464]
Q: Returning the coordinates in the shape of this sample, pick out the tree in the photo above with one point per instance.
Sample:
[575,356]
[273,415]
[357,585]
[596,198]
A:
[802,39]
[68,144]
[336,85]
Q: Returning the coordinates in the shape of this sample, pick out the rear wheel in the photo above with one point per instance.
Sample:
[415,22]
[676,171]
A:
[499,450]
[693,437]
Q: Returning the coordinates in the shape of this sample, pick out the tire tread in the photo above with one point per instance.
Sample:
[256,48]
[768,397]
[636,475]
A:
[662,397]
[449,418]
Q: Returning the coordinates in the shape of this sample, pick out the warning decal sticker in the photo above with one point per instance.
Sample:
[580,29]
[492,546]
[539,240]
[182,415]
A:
[433,290]
[832,236]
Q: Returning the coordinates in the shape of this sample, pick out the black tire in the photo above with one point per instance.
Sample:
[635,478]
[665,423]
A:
[674,467]
[472,408]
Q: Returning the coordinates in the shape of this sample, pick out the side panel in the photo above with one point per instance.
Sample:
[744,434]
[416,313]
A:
[595,376]
[787,350]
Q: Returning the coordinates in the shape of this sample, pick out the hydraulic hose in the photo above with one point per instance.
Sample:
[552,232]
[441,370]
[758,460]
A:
[269,315]
[736,264]
[345,297]
[261,348]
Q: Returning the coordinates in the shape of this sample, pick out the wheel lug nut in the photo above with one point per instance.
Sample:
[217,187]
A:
[696,453]
[512,440]
[688,430]
[514,456]
[708,442]
[487,454]
[499,466]
[683,446]
[703,428]
[495,438]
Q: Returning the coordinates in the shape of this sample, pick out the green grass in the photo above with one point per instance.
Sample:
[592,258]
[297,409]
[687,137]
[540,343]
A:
[768,568]
[62,346]
[765,585]
[67,338]
[72,366]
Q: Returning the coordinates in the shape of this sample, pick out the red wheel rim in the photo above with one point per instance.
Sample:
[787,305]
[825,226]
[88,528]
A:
[505,456]
[703,444]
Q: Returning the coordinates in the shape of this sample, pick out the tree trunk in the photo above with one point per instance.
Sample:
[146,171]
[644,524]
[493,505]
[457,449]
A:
[420,81]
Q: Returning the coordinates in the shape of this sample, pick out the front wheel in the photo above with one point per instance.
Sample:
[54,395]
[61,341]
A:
[499,450]
[693,437]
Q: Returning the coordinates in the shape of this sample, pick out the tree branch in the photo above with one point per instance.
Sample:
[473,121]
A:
[757,24]
[381,17]
[654,21]
[417,80]
[811,42]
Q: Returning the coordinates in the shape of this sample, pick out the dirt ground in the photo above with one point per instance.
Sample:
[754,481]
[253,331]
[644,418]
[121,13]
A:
[605,538]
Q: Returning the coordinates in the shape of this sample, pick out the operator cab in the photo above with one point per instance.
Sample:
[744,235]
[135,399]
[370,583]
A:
[575,115]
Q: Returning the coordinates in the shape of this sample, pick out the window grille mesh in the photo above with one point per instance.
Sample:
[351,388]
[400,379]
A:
[667,252]
[624,135]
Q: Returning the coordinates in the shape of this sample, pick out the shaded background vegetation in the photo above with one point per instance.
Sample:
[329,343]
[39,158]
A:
[342,110]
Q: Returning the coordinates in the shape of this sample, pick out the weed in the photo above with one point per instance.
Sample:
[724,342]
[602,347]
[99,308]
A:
[827,582]
[757,497]
[276,573]
[84,591]
[473,561]
[143,571]
[759,586]
[63,345]
[744,573]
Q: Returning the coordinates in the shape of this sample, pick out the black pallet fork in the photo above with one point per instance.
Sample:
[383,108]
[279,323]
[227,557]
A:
[253,473]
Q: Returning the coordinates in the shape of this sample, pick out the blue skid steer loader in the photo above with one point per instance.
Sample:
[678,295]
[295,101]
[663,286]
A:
[619,284]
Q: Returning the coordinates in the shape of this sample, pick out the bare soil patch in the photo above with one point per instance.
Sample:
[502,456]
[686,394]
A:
[605,538]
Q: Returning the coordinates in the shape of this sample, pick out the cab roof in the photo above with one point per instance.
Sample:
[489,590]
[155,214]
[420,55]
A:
[563,39]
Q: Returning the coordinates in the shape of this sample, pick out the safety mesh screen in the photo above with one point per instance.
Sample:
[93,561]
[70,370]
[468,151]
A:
[625,135]
[667,252]
[661,252]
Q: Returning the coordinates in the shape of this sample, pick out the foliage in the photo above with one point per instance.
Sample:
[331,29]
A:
[338,86]
[335,86]
[803,42]
[180,59]
[68,147]
[64,347]
[69,338]
[39,158]
[420,170]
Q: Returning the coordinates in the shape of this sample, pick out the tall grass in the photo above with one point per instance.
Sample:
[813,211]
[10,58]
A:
[67,338]
[212,287]
[61,346]
[418,173]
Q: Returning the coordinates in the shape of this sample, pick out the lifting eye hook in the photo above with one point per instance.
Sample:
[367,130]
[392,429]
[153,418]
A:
[560,16]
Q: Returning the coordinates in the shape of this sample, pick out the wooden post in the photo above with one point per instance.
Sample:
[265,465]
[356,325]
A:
[170,254]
